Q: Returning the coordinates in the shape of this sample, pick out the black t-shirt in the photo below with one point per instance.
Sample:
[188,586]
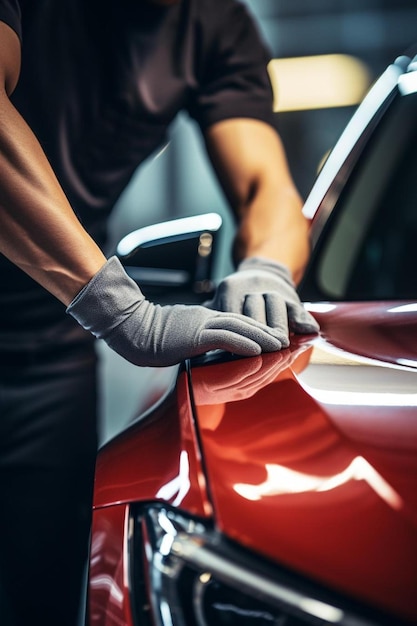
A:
[100,84]
[10,13]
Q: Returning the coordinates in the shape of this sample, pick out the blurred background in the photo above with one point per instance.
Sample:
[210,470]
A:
[326,55]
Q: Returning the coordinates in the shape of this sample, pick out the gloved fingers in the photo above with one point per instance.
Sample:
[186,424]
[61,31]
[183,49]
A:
[229,302]
[277,317]
[254,307]
[228,298]
[301,321]
[242,328]
[211,339]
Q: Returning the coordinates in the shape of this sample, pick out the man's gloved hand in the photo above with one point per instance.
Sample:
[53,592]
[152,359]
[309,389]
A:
[113,308]
[263,290]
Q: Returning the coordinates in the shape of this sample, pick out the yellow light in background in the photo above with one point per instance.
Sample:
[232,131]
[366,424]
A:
[318,82]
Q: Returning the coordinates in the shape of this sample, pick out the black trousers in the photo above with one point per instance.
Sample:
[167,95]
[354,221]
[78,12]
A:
[48,445]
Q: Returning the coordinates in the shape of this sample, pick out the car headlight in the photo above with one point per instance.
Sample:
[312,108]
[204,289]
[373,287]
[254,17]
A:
[185,573]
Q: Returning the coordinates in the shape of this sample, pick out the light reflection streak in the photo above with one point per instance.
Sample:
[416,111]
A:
[179,485]
[407,83]
[359,121]
[319,307]
[127,533]
[404,308]
[407,362]
[362,398]
[169,536]
[166,613]
[180,226]
[283,481]
[107,582]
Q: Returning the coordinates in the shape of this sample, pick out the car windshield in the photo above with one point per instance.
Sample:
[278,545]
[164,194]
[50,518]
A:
[371,253]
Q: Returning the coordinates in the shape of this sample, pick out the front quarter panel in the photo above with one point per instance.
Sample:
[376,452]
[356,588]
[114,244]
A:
[156,459]
[293,480]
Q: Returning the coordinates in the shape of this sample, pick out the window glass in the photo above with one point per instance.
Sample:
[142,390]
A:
[371,249]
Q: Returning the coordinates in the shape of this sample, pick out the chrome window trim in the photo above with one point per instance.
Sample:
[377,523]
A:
[325,191]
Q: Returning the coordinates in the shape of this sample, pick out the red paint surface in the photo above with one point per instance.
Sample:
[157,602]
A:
[109,603]
[301,464]
[379,330]
[156,459]
[291,479]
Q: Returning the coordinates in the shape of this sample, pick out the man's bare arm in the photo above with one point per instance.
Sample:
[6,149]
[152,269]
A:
[252,167]
[272,243]
[39,231]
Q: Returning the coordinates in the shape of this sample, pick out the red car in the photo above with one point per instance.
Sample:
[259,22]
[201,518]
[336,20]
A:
[282,490]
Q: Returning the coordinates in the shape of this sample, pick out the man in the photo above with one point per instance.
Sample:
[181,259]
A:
[100,83]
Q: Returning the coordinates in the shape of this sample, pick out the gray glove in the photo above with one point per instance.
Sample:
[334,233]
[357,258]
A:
[263,290]
[113,308]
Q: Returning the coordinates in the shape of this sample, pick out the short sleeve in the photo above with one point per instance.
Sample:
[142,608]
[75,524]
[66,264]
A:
[233,77]
[10,14]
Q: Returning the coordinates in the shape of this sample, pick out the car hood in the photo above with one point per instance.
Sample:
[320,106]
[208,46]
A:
[311,460]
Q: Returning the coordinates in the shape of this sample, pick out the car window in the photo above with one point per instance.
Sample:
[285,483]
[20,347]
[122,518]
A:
[370,248]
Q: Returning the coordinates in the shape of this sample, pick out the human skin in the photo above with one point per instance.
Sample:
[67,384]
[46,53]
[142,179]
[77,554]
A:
[251,165]
[39,231]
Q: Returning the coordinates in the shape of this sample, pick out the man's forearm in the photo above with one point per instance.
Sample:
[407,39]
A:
[39,231]
[273,226]
[252,167]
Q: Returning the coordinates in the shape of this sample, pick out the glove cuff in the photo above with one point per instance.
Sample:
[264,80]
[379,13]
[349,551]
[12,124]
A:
[266,265]
[103,301]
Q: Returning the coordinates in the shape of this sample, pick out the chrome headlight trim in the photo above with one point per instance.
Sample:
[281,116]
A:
[184,559]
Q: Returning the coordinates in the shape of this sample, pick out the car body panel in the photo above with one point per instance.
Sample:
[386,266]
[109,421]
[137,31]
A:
[156,458]
[308,461]
[318,469]
[385,331]
[109,592]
